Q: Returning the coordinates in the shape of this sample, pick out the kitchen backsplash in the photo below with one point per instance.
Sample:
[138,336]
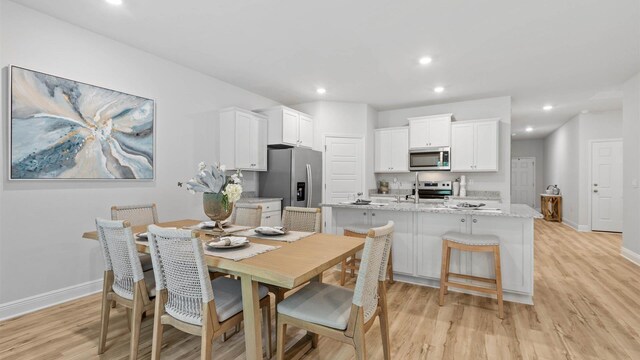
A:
[406,181]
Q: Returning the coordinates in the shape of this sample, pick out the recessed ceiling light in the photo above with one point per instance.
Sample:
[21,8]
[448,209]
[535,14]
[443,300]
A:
[529,129]
[438,89]
[321,91]
[114,2]
[425,60]
[547,107]
[585,111]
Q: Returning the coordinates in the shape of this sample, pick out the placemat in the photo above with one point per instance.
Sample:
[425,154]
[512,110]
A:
[227,229]
[291,236]
[238,254]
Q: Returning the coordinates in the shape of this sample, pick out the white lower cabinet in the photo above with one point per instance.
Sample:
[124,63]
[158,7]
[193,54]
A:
[429,231]
[402,246]
[417,245]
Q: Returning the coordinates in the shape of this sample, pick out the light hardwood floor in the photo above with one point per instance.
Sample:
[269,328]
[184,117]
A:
[587,306]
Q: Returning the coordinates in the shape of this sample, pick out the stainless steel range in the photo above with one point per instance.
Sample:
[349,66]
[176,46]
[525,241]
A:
[435,189]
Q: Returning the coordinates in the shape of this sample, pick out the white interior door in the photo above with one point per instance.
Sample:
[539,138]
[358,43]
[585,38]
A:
[606,186]
[523,187]
[344,171]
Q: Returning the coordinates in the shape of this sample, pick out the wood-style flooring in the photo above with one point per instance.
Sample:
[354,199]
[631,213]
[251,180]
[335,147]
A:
[587,306]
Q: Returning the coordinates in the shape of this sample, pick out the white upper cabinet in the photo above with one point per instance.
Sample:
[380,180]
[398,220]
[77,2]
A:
[392,150]
[243,140]
[289,127]
[474,145]
[430,131]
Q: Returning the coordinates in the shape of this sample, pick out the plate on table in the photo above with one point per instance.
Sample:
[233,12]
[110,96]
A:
[270,230]
[142,236]
[228,242]
[211,224]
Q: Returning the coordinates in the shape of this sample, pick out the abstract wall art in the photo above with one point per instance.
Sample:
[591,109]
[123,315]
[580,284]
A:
[65,129]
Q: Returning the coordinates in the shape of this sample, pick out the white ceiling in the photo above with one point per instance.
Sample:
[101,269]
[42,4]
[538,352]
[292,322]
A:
[573,54]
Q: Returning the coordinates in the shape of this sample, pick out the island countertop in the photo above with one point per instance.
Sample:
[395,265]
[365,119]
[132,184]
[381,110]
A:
[512,210]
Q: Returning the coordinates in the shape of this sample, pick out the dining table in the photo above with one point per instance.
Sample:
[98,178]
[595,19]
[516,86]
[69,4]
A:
[289,266]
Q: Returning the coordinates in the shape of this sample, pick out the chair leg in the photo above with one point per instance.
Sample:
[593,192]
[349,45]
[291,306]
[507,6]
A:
[446,288]
[104,322]
[359,344]
[158,328]
[384,322]
[343,271]
[352,269]
[496,256]
[128,314]
[206,344]
[266,325]
[135,327]
[113,304]
[444,270]
[280,334]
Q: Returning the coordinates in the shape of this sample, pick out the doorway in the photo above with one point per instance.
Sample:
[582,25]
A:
[343,170]
[606,185]
[523,181]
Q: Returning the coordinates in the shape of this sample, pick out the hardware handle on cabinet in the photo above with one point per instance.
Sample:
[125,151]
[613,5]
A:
[268,217]
[462,220]
[475,221]
[373,214]
[364,213]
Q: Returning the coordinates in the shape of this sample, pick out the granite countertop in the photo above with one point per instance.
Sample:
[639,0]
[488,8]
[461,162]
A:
[514,210]
[255,200]
[471,195]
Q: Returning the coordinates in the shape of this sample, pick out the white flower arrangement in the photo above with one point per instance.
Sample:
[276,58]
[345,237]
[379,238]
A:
[215,181]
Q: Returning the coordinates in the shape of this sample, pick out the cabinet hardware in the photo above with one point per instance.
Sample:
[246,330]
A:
[595,191]
[462,220]
[475,221]
[595,184]
[364,213]
[373,214]
[268,217]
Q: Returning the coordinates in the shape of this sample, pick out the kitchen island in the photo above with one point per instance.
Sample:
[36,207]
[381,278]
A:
[417,243]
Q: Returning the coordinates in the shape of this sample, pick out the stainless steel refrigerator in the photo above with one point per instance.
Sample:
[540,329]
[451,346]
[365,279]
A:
[295,175]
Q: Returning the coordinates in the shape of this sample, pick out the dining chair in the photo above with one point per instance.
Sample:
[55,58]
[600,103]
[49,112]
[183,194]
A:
[247,215]
[297,219]
[302,219]
[125,282]
[344,314]
[146,214]
[188,299]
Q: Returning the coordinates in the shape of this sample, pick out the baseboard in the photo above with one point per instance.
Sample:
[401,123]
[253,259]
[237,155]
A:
[630,255]
[33,303]
[570,224]
[584,228]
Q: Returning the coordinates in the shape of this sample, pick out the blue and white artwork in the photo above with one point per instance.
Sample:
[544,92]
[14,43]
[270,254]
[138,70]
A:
[64,129]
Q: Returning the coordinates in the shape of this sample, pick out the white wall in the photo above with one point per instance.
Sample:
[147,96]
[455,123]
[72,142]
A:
[42,222]
[631,166]
[532,148]
[343,118]
[567,157]
[561,166]
[593,126]
[499,107]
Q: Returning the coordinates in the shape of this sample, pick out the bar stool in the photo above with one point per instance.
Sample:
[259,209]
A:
[352,263]
[474,243]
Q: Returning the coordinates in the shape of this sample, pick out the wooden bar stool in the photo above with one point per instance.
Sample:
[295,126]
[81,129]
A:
[352,263]
[477,243]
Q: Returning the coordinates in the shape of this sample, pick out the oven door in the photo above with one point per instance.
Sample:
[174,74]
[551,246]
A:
[424,160]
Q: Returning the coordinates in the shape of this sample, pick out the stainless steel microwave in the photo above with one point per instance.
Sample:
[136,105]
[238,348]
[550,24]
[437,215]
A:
[436,159]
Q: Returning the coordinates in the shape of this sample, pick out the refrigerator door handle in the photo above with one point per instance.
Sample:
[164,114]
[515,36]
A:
[310,188]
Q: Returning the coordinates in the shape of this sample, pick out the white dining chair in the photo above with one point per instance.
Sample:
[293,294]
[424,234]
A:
[247,215]
[188,299]
[125,282]
[137,215]
[339,313]
[302,219]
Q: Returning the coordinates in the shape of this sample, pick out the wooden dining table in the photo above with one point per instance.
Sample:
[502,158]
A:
[289,266]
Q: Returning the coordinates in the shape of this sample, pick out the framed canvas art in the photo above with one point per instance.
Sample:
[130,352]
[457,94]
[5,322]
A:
[66,129]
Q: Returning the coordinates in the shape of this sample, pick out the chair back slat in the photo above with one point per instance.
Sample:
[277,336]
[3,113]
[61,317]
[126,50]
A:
[120,255]
[373,267]
[180,268]
[136,214]
[247,215]
[302,219]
